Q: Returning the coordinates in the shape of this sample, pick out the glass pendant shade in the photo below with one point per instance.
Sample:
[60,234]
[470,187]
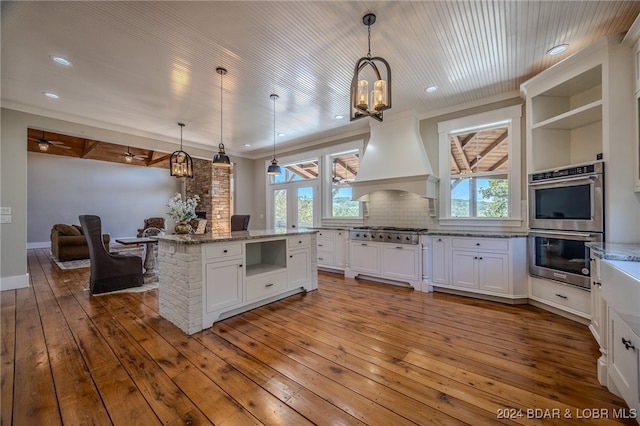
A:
[365,103]
[43,145]
[180,163]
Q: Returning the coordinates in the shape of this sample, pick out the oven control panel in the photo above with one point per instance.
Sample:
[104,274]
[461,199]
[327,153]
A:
[568,172]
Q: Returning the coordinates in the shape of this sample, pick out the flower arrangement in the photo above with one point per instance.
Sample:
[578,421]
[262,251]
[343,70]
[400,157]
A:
[182,210]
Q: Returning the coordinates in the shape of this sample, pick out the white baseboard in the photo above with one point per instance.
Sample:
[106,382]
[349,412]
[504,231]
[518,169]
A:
[13,283]
[42,244]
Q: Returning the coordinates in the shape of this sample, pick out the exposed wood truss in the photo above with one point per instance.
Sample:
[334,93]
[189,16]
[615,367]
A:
[73,146]
[482,151]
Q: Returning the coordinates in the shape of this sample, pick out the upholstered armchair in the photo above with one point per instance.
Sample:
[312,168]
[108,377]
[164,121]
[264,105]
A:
[153,222]
[240,222]
[109,272]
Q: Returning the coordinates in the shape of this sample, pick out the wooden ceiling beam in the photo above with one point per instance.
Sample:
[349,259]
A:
[89,146]
[499,163]
[490,148]
[457,142]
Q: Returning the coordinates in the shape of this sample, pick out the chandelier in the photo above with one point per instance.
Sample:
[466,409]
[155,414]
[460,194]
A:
[180,163]
[365,103]
[221,159]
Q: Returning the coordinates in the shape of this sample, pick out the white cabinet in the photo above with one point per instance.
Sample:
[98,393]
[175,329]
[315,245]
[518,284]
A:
[223,285]
[566,298]
[365,258]
[401,262]
[440,260]
[396,262]
[483,265]
[598,305]
[624,359]
[332,248]
[298,263]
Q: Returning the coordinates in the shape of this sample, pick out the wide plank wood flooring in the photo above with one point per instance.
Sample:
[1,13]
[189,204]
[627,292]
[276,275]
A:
[352,352]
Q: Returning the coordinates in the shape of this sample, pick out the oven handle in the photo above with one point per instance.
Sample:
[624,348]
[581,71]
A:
[564,180]
[563,234]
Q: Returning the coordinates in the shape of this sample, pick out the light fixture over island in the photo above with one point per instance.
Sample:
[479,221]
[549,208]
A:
[205,278]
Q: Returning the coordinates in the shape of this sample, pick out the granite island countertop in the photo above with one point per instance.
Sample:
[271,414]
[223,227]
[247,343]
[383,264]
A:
[216,237]
[616,251]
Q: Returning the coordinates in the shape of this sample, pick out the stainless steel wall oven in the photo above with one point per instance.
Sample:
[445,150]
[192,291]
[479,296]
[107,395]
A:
[566,211]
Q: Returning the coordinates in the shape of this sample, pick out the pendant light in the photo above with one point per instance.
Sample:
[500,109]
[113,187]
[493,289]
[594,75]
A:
[274,169]
[221,159]
[180,163]
[365,103]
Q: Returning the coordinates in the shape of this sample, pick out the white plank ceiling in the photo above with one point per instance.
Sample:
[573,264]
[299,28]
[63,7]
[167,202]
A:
[141,67]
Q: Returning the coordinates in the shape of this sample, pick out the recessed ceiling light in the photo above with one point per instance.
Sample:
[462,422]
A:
[51,95]
[556,50]
[247,145]
[431,89]
[338,117]
[61,60]
[280,134]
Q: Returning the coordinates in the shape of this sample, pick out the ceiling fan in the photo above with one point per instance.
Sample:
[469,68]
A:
[340,179]
[130,156]
[44,144]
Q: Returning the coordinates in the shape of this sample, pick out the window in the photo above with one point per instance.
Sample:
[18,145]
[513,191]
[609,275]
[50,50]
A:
[480,160]
[344,168]
[293,193]
[297,171]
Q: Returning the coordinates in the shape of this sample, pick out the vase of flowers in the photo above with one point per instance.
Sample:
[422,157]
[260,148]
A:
[182,211]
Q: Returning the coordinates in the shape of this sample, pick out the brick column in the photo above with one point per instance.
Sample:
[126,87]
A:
[212,185]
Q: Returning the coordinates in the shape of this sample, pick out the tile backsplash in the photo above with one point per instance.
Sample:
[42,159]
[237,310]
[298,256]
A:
[399,208]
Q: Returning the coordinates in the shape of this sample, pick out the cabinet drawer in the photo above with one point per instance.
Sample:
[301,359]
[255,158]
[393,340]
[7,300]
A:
[212,251]
[563,295]
[325,257]
[481,243]
[264,285]
[325,244]
[299,241]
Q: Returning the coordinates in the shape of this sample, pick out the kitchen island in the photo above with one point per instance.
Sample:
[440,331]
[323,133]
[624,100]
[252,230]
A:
[205,278]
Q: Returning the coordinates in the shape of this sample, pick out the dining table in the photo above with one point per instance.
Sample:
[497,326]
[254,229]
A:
[150,268]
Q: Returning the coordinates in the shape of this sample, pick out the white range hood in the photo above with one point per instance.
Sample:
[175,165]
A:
[395,159]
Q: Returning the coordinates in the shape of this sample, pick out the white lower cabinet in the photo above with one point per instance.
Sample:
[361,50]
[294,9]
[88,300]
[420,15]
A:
[624,360]
[401,262]
[440,260]
[396,262]
[223,289]
[241,276]
[567,298]
[332,248]
[484,265]
[365,258]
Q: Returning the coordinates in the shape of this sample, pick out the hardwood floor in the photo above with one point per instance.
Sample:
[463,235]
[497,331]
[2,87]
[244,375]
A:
[352,352]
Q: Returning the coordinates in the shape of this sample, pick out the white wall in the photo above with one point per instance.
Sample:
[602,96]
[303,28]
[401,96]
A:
[59,189]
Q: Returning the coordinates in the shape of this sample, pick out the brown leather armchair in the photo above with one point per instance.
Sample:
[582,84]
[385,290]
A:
[109,272]
[153,222]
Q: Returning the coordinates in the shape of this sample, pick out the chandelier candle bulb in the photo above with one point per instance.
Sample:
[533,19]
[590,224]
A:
[380,94]
[363,95]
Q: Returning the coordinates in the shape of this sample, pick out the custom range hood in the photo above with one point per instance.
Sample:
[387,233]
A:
[395,159]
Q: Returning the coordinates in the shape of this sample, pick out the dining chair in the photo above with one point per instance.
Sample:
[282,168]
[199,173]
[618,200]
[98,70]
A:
[109,272]
[240,222]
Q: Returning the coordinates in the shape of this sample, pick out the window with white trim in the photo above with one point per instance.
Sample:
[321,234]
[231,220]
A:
[480,168]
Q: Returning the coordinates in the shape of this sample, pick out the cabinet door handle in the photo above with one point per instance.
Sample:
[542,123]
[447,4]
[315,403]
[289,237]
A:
[627,344]
[363,244]
[319,245]
[320,258]
[562,296]
[398,247]
[480,258]
[268,285]
[475,257]
[477,244]
[240,265]
[439,239]
[224,251]
[290,256]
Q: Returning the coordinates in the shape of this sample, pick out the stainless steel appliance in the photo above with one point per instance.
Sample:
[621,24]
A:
[561,255]
[566,210]
[568,199]
[386,234]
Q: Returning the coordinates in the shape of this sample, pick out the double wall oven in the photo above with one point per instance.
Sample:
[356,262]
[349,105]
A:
[566,210]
